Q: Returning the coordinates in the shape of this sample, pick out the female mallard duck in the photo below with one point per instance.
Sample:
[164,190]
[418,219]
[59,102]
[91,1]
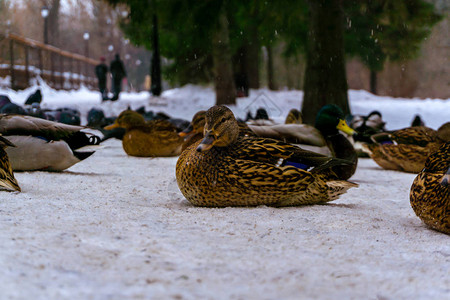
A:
[7,179]
[324,137]
[194,131]
[228,169]
[45,145]
[147,139]
[430,191]
[407,149]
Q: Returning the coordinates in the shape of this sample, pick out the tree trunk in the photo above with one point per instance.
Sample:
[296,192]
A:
[252,58]
[223,73]
[325,77]
[270,75]
[373,82]
[53,24]
[156,87]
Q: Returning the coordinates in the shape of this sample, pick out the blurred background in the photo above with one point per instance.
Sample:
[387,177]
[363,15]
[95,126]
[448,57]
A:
[398,48]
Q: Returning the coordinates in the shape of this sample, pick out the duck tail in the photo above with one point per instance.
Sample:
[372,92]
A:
[7,179]
[338,187]
[80,139]
[10,183]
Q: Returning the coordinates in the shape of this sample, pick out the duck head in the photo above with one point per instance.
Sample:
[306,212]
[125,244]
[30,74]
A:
[330,119]
[443,132]
[196,126]
[127,119]
[221,128]
[294,116]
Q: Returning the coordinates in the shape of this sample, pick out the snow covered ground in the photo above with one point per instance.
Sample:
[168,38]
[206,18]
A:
[184,102]
[116,227]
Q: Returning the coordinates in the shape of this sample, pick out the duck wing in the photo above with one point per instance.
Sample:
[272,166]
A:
[31,126]
[279,154]
[28,125]
[292,133]
[419,136]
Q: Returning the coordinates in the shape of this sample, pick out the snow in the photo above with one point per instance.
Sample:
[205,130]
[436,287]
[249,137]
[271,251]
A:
[117,227]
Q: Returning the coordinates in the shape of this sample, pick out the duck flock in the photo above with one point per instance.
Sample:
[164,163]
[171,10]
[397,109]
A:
[224,161]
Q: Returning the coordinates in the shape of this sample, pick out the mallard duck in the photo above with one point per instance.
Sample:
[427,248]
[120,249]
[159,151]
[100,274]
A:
[261,118]
[366,126]
[7,179]
[228,169]
[45,145]
[194,131]
[154,138]
[417,121]
[294,117]
[407,149]
[430,191]
[324,137]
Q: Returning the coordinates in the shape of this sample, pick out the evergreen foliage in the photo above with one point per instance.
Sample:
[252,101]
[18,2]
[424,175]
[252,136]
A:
[374,30]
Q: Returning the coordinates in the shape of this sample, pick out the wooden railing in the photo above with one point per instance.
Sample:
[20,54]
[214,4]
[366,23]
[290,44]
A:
[23,59]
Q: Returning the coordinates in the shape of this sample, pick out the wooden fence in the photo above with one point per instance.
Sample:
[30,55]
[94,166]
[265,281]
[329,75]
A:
[23,59]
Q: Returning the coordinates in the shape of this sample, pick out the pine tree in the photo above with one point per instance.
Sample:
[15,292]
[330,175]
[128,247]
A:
[381,30]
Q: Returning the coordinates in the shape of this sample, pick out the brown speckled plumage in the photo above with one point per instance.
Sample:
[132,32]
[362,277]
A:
[247,171]
[430,191]
[407,149]
[156,138]
[7,180]
[294,117]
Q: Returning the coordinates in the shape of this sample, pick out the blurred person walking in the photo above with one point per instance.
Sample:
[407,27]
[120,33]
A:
[118,73]
[101,70]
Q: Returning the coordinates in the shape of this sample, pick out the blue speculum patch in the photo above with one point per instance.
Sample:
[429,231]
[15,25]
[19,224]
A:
[297,165]
[42,138]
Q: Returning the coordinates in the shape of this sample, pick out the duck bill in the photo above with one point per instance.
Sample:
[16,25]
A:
[206,143]
[342,126]
[446,178]
[111,127]
[186,132]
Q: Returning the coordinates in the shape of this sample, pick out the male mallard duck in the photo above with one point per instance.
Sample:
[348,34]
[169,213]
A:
[324,134]
[407,149]
[228,169]
[148,139]
[45,145]
[7,179]
[430,191]
[294,117]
